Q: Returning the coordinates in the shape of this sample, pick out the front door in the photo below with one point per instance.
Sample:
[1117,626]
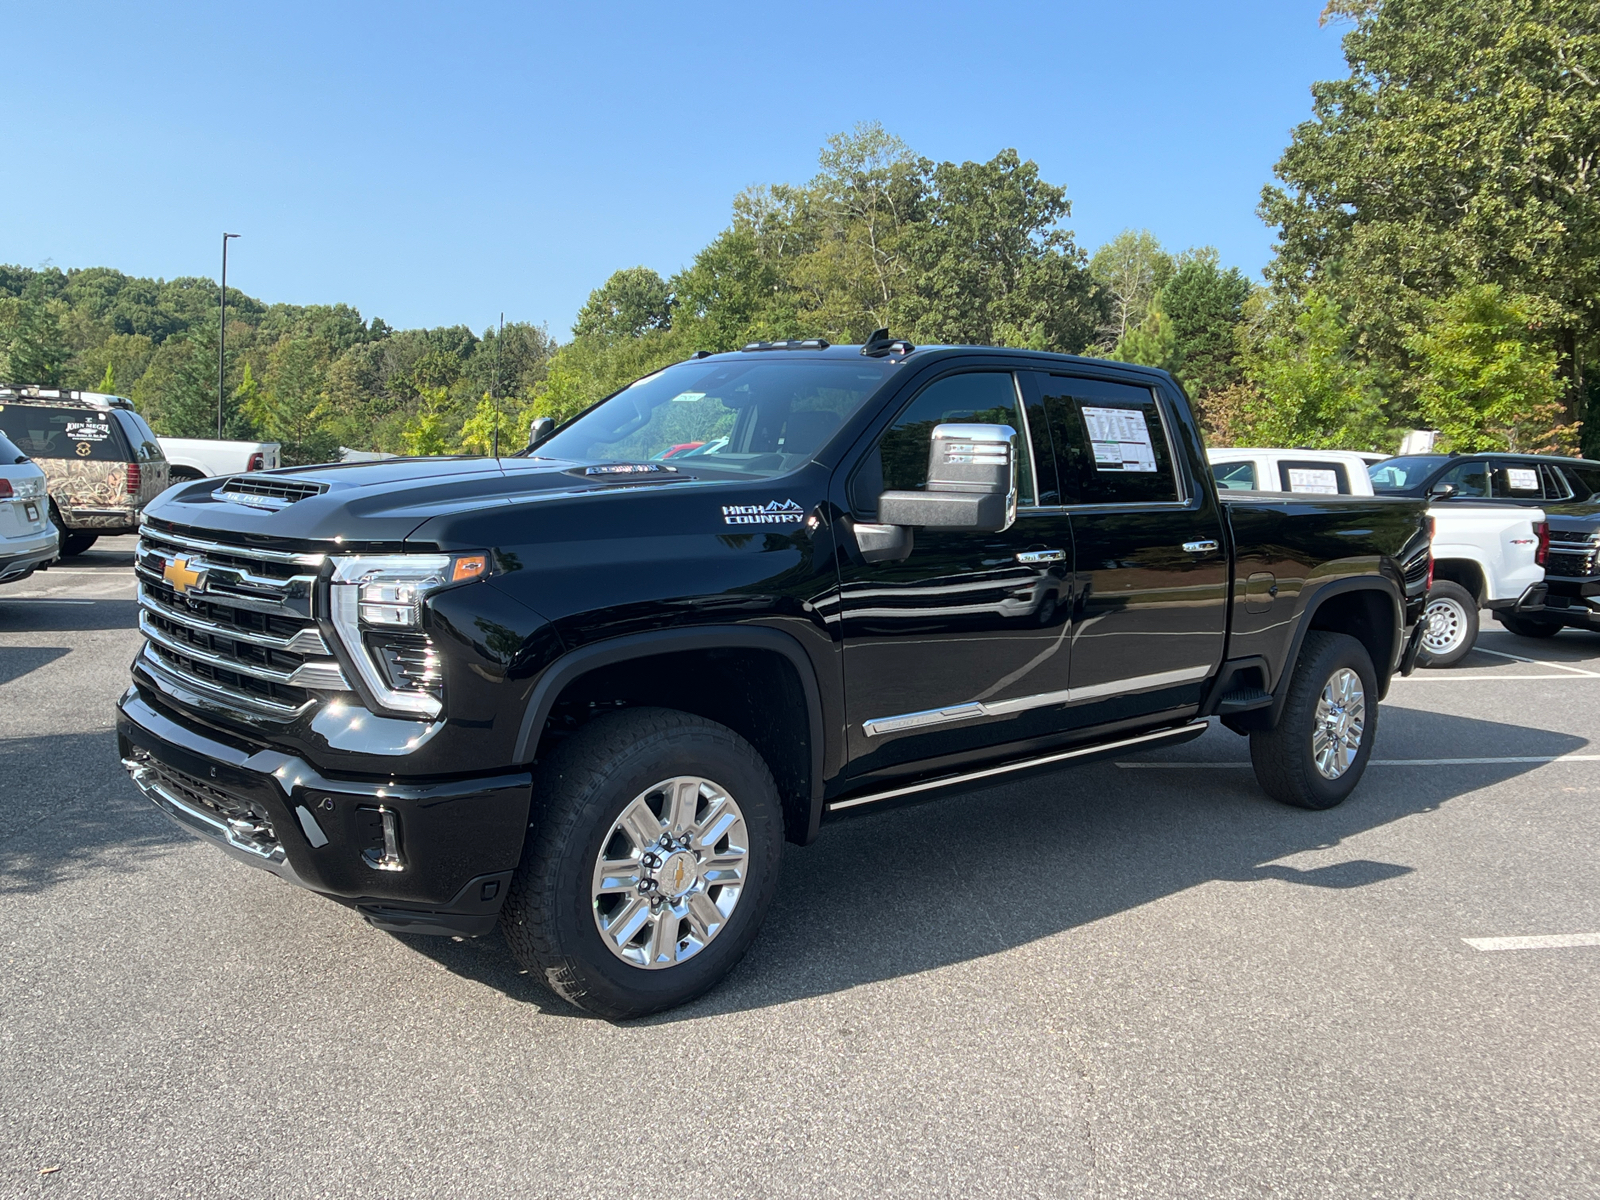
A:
[948,652]
[1151,572]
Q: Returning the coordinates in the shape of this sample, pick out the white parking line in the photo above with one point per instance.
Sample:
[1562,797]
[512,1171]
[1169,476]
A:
[1547,941]
[42,600]
[1381,762]
[1539,662]
[1458,677]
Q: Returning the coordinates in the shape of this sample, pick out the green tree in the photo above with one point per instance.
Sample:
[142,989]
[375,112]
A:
[1313,390]
[1204,306]
[108,381]
[631,303]
[1131,270]
[1152,343]
[1487,382]
[33,348]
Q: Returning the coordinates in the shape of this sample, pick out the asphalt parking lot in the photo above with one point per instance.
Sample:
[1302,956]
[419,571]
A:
[1139,979]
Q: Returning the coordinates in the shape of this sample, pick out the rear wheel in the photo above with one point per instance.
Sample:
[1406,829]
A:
[651,861]
[1529,627]
[1449,625]
[1316,754]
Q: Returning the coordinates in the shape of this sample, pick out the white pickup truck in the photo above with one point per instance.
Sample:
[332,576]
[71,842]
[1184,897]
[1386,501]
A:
[196,458]
[1484,556]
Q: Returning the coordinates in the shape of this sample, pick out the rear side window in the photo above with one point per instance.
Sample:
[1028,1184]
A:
[142,437]
[1585,481]
[1317,478]
[1111,443]
[71,433]
[1517,481]
[900,460]
[1235,476]
[10,453]
[1471,479]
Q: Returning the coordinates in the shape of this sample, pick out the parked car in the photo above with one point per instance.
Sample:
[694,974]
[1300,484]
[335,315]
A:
[587,695]
[1484,556]
[1315,472]
[1537,480]
[28,540]
[197,458]
[102,462]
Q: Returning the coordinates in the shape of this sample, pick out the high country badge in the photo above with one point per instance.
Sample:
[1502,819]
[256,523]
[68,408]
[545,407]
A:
[773,512]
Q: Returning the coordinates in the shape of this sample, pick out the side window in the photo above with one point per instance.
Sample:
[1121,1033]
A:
[1517,481]
[1585,481]
[1111,443]
[1555,485]
[1470,479]
[140,437]
[1318,478]
[1235,476]
[899,462]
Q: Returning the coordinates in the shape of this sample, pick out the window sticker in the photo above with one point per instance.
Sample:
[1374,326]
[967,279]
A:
[87,431]
[688,397]
[1320,480]
[1120,438]
[1522,479]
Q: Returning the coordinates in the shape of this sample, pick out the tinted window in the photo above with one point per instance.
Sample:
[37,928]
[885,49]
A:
[142,437]
[1111,443]
[1235,476]
[1555,484]
[1316,477]
[86,433]
[1471,479]
[10,453]
[755,417]
[1585,481]
[1403,474]
[1516,481]
[899,462]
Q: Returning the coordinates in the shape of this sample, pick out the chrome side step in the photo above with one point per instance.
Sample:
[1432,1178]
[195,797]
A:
[1144,741]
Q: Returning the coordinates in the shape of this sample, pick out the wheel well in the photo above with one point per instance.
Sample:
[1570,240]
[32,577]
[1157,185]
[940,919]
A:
[1369,617]
[175,474]
[1462,571]
[756,693]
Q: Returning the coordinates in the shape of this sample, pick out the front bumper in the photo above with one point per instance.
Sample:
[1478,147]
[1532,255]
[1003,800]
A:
[452,845]
[20,555]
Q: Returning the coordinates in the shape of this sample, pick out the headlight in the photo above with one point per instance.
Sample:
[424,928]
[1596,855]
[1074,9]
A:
[376,602]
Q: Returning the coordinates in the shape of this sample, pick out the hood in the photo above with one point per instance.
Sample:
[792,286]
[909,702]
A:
[383,502]
[1581,516]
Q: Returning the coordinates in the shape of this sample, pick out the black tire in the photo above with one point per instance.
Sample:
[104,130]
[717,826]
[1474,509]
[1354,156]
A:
[1529,627]
[549,919]
[1284,758]
[77,543]
[1451,617]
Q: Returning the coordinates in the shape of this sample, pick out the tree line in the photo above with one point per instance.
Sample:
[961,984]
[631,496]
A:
[1438,247]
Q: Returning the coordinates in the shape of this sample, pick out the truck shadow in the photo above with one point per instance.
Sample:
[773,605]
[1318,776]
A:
[909,890]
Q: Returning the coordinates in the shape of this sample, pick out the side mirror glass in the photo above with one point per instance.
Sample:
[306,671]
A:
[972,482]
[539,429]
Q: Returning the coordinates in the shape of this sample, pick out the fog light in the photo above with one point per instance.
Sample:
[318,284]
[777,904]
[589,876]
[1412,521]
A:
[380,829]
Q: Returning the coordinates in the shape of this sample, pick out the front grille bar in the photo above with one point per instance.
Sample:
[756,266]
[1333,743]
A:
[202,546]
[308,675]
[159,667]
[307,641]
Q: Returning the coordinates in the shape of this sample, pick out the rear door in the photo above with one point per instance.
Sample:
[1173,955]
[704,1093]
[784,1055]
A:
[1519,481]
[964,644]
[1150,576]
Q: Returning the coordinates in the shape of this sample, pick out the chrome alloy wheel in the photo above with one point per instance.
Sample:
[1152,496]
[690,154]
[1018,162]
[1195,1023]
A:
[1444,626]
[670,872]
[1341,720]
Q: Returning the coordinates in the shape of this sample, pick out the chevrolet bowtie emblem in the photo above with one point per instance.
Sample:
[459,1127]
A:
[182,578]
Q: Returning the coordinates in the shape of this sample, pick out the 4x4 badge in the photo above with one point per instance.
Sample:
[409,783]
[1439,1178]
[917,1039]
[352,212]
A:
[773,512]
[183,578]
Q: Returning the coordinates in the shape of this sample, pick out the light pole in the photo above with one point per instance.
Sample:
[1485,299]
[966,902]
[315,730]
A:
[222,330]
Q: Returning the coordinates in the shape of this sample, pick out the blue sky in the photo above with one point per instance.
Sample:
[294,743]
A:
[435,164]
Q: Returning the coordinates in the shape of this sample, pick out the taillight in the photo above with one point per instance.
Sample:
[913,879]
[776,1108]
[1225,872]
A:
[134,478]
[5,489]
[1430,572]
[257,462]
[1431,526]
[1542,532]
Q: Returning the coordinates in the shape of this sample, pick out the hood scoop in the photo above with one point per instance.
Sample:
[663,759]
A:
[267,492]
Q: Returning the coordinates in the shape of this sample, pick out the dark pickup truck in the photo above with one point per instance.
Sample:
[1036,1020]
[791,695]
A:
[588,691]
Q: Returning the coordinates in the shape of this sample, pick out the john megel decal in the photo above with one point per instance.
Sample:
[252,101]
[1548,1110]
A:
[773,512]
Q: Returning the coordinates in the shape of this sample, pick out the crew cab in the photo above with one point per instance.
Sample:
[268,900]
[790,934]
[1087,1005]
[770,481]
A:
[588,692]
[1317,472]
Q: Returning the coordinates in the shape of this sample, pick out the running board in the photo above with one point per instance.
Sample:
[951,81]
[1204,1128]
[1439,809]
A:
[1145,741]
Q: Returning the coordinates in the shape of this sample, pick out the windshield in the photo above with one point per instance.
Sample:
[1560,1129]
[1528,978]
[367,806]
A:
[760,417]
[1403,474]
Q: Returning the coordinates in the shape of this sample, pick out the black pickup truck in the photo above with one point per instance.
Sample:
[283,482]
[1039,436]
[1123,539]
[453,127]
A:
[588,691]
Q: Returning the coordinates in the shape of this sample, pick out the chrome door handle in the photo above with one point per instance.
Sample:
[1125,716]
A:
[1041,556]
[1201,547]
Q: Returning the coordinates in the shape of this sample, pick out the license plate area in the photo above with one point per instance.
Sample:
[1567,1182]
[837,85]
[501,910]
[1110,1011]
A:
[31,510]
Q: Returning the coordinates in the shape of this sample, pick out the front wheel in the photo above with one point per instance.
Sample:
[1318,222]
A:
[1529,627]
[1449,625]
[1316,754]
[651,861]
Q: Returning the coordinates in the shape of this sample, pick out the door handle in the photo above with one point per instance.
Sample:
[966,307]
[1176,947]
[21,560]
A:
[1041,556]
[1201,547]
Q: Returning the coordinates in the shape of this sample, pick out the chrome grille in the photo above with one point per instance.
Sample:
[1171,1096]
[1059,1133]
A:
[234,622]
[1572,553]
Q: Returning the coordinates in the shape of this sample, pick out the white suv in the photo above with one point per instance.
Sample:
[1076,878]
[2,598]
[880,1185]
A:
[27,538]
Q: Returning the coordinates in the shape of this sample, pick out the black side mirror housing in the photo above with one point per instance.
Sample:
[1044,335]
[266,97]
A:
[539,429]
[972,482]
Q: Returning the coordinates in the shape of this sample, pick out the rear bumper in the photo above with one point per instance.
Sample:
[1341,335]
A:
[22,554]
[1574,602]
[454,843]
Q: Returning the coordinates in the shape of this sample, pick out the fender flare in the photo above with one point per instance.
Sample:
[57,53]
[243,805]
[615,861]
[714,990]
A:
[1338,587]
[581,661]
